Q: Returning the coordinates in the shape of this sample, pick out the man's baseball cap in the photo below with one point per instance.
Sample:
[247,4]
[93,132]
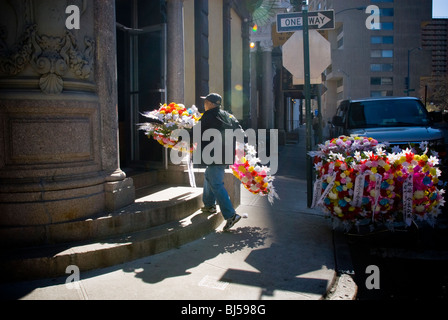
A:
[213,98]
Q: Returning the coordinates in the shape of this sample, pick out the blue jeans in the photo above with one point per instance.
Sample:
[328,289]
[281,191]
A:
[214,190]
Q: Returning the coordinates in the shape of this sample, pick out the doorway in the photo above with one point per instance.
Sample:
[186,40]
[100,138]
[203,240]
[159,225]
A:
[141,72]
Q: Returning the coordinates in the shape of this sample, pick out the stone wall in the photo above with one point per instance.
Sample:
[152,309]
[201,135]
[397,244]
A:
[58,113]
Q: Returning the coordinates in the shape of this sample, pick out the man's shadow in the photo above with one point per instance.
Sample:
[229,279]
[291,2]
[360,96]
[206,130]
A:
[174,263]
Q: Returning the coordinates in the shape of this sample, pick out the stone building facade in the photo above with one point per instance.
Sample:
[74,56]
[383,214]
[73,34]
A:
[75,76]
[58,113]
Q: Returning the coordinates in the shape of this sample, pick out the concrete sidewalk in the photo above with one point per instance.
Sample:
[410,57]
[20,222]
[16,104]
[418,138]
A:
[281,251]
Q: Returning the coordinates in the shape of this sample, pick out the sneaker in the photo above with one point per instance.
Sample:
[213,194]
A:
[231,222]
[209,209]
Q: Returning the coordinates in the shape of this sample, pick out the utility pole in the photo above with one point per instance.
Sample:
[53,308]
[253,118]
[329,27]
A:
[307,73]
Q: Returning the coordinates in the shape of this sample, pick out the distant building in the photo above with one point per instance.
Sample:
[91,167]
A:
[435,38]
[370,62]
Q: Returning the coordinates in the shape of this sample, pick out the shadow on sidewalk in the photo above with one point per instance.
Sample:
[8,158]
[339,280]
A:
[276,273]
[175,265]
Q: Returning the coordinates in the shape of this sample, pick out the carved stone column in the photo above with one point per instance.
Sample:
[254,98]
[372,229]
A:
[175,51]
[267,98]
[58,114]
[253,89]
[279,102]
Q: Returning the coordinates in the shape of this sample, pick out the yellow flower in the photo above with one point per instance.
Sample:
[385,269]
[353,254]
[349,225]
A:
[258,179]
[420,208]
[419,194]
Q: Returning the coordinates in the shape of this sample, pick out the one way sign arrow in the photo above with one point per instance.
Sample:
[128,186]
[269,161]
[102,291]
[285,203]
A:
[320,20]
[290,22]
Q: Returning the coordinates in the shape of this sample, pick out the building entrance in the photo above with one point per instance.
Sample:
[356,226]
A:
[141,70]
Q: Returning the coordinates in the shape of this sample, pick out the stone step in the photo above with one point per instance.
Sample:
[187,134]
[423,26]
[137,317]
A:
[143,179]
[157,205]
[164,216]
[52,261]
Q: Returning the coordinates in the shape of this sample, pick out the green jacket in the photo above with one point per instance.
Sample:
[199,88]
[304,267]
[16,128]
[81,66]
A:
[221,120]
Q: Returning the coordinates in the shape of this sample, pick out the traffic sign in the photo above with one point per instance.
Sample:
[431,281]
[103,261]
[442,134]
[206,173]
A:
[293,56]
[318,20]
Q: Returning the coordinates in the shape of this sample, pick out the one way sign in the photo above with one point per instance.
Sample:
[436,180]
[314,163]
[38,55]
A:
[290,22]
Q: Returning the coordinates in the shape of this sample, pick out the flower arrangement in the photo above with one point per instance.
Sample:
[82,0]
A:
[358,181]
[255,178]
[167,119]
[246,168]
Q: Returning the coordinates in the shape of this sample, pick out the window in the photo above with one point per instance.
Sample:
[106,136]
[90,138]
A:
[386,26]
[387,12]
[388,40]
[378,81]
[386,113]
[340,83]
[382,54]
[383,93]
[384,67]
[387,53]
[382,40]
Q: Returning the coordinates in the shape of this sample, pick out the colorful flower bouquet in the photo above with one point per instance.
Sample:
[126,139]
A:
[358,182]
[167,119]
[255,178]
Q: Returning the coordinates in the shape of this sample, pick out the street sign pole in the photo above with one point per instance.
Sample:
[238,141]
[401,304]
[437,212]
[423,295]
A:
[307,73]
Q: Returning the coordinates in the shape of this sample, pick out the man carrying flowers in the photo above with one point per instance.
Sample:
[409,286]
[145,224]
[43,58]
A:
[214,190]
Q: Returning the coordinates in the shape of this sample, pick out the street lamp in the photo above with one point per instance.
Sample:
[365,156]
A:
[348,9]
[408,78]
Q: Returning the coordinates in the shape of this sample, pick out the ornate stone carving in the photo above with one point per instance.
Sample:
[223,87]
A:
[13,61]
[51,57]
